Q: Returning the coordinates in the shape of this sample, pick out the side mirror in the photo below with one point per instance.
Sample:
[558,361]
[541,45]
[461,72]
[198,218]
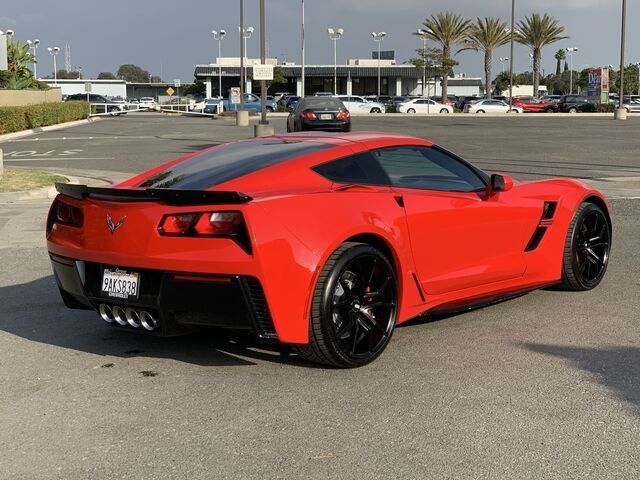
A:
[500,183]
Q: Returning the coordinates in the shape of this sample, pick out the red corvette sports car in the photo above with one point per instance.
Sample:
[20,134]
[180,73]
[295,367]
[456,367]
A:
[322,241]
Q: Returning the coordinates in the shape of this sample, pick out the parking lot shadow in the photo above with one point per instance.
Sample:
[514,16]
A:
[618,369]
[34,311]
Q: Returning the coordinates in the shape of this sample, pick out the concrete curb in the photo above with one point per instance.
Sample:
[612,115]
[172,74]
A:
[50,128]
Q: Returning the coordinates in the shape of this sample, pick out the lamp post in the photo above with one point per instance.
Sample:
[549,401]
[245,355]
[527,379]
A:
[246,34]
[335,34]
[571,51]
[219,36]
[621,113]
[503,60]
[424,35]
[8,33]
[638,65]
[511,35]
[378,37]
[34,46]
[302,51]
[54,52]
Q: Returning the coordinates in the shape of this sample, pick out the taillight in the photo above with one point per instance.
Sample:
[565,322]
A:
[308,115]
[65,214]
[207,224]
[343,114]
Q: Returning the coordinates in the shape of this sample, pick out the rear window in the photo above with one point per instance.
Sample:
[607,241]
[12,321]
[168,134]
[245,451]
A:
[230,161]
[320,102]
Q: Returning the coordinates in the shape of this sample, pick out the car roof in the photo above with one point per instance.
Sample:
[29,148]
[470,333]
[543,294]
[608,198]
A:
[366,138]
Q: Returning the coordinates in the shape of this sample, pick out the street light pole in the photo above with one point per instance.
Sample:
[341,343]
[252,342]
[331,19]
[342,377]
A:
[571,51]
[378,37]
[241,55]
[621,113]
[424,35]
[246,34]
[34,46]
[335,34]
[219,36]
[512,32]
[263,60]
[302,52]
[502,62]
[54,52]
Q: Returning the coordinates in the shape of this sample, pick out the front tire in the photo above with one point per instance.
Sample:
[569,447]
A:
[573,110]
[586,249]
[375,110]
[411,110]
[354,308]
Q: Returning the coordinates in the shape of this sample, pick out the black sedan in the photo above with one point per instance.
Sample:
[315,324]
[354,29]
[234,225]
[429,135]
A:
[319,113]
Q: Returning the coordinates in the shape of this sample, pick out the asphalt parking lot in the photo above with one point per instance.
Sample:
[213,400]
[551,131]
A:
[543,386]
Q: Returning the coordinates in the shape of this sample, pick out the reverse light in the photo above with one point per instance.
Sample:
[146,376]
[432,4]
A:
[66,214]
[218,223]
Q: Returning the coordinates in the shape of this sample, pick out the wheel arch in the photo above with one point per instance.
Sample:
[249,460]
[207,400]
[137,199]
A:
[599,202]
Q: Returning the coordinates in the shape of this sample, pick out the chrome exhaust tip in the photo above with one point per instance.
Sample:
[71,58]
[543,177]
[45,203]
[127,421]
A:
[106,313]
[147,321]
[119,315]
[133,318]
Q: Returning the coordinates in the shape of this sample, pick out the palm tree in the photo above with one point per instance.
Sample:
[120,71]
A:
[487,35]
[536,32]
[17,76]
[559,56]
[447,29]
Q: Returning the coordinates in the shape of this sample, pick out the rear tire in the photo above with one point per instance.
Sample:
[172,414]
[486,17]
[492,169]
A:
[480,111]
[354,308]
[573,110]
[375,110]
[444,110]
[411,110]
[586,249]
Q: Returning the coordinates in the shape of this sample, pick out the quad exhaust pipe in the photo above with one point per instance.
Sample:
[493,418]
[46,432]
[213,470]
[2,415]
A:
[128,316]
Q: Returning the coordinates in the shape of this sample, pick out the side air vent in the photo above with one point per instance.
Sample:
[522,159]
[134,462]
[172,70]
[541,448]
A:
[264,323]
[549,210]
[536,239]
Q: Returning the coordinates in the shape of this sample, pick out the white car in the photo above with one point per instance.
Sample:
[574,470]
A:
[357,104]
[424,105]
[491,106]
[147,102]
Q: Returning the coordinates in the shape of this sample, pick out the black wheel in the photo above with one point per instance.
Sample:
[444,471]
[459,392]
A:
[354,308]
[550,110]
[411,110]
[573,110]
[269,109]
[480,111]
[114,111]
[375,110]
[347,128]
[288,127]
[586,250]
[444,110]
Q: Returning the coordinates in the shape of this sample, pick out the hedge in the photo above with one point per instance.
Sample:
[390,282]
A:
[15,119]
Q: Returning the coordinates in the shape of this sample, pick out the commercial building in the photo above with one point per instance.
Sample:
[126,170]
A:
[358,77]
[116,88]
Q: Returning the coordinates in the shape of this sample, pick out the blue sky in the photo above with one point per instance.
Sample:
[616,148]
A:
[169,38]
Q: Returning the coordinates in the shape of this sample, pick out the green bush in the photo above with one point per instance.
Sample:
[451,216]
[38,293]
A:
[15,119]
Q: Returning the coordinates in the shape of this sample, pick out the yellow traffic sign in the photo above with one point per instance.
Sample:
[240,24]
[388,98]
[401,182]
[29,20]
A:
[170,91]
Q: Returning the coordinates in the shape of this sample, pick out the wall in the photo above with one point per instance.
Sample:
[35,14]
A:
[108,88]
[14,98]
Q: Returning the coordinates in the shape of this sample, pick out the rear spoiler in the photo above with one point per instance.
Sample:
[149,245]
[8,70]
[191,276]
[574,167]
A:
[164,195]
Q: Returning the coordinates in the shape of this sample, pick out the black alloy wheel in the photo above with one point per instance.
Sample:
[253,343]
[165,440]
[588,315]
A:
[586,254]
[354,308]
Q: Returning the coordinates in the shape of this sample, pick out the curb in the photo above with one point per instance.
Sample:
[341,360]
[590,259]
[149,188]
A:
[50,128]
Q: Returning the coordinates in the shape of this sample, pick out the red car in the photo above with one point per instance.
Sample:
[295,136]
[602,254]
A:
[322,241]
[533,104]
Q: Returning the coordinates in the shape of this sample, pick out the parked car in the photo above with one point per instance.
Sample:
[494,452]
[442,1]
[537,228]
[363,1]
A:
[213,105]
[572,103]
[631,103]
[532,104]
[424,105]
[551,98]
[356,104]
[463,100]
[322,242]
[278,95]
[491,106]
[291,103]
[252,103]
[147,102]
[323,94]
[319,113]
[100,103]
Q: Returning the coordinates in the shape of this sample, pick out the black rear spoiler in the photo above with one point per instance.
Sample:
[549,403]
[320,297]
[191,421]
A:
[164,195]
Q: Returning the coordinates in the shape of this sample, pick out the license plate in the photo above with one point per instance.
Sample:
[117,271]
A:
[117,283]
[326,116]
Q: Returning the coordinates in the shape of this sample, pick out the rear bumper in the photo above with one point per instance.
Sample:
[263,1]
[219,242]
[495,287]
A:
[338,126]
[180,301]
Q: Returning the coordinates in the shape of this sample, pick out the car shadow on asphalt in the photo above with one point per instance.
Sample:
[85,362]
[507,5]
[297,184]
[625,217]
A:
[34,311]
[617,368]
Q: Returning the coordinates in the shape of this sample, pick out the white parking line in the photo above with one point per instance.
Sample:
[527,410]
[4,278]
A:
[58,139]
[8,160]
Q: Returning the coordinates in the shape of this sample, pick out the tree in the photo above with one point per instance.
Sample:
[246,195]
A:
[487,35]
[155,79]
[63,74]
[447,29]
[133,73]
[559,56]
[18,76]
[106,76]
[536,32]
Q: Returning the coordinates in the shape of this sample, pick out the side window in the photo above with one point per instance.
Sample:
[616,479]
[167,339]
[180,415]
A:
[358,100]
[360,168]
[427,168]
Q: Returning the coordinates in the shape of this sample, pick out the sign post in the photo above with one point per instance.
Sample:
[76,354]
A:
[598,85]
[177,83]
[87,89]
[4,64]
[234,96]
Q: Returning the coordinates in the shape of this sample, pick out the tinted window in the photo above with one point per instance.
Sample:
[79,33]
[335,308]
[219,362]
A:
[320,103]
[360,168]
[427,168]
[225,163]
